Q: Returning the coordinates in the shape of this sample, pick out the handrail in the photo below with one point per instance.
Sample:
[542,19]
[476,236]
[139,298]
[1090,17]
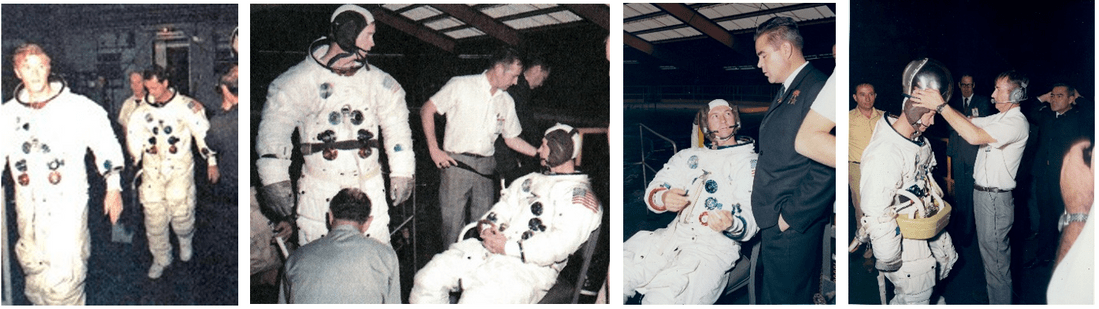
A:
[645,165]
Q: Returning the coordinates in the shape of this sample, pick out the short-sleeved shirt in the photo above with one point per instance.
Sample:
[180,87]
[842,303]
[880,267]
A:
[860,131]
[474,115]
[825,103]
[998,163]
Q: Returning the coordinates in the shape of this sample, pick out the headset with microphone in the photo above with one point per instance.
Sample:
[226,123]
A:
[347,23]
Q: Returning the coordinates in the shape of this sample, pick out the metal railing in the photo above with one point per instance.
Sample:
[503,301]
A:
[651,94]
[645,167]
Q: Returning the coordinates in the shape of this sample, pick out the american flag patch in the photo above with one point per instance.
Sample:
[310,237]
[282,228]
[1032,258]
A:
[389,83]
[585,197]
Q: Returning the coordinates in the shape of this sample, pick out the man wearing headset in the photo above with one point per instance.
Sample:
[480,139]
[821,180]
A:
[525,239]
[337,103]
[897,164]
[1002,138]
[711,190]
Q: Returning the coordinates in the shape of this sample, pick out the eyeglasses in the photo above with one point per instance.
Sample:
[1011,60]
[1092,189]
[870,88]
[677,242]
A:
[966,85]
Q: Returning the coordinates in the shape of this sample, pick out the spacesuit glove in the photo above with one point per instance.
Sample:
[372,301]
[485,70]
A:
[401,188]
[279,198]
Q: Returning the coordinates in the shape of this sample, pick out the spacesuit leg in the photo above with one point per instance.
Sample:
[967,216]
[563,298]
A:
[640,261]
[55,277]
[433,283]
[379,208]
[507,280]
[698,276]
[181,203]
[156,221]
[313,197]
[913,282]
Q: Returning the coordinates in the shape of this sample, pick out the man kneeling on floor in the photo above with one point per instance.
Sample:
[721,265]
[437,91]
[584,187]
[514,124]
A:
[345,266]
[711,189]
[525,239]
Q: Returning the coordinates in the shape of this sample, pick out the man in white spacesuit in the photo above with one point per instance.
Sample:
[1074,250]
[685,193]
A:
[47,132]
[897,166]
[337,103]
[710,188]
[525,239]
[159,136]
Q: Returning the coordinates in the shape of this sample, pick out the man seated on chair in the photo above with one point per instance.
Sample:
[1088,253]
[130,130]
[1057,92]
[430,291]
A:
[525,239]
[711,189]
[897,181]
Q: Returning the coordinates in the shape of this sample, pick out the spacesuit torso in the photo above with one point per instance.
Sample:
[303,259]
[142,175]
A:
[45,151]
[160,135]
[893,164]
[338,119]
[718,179]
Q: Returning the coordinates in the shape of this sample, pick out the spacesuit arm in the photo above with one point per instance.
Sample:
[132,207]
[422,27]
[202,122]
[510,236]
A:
[199,125]
[108,154]
[881,178]
[675,174]
[565,236]
[393,120]
[273,145]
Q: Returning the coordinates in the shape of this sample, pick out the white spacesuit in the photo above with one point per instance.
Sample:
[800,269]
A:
[44,148]
[893,164]
[688,262]
[338,119]
[545,219]
[159,135]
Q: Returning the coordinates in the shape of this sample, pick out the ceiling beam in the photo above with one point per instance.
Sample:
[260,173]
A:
[643,16]
[531,13]
[482,22]
[698,21]
[419,31]
[787,8]
[596,13]
[657,52]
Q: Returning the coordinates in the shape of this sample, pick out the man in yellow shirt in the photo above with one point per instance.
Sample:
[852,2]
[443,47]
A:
[862,120]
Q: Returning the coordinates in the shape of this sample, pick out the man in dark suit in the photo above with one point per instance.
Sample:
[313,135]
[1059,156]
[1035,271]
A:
[793,191]
[962,155]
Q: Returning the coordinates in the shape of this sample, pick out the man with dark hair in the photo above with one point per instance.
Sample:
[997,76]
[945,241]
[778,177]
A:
[344,266]
[864,118]
[340,106]
[478,110]
[525,239]
[159,136]
[46,132]
[1059,125]
[962,156]
[897,167]
[1002,138]
[794,186]
[508,164]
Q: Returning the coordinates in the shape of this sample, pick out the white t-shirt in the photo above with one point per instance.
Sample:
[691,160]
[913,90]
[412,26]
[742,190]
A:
[474,115]
[998,163]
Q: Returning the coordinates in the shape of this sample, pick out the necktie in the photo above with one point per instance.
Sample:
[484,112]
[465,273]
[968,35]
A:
[781,91]
[965,103]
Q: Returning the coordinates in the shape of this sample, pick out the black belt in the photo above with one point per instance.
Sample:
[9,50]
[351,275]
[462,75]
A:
[308,149]
[988,189]
[463,165]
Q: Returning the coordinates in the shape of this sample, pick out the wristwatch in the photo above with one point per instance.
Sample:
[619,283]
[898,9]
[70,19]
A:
[1067,218]
[939,109]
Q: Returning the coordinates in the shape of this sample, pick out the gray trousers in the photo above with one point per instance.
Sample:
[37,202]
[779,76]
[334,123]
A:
[457,187]
[995,213]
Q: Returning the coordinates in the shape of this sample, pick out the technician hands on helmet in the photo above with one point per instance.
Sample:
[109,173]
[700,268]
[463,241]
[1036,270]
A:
[340,105]
[527,236]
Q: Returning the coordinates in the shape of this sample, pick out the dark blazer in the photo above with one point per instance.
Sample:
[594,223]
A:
[786,182]
[958,148]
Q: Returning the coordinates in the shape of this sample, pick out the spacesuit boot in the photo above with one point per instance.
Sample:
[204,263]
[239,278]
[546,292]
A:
[156,231]
[183,224]
[185,250]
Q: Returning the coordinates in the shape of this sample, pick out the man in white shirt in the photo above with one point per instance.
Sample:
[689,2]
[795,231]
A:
[478,109]
[1002,138]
